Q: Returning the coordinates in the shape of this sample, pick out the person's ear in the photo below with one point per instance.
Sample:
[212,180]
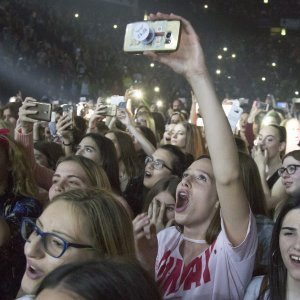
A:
[282,146]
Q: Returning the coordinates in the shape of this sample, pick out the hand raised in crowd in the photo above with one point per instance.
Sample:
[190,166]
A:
[98,114]
[145,240]
[156,213]
[25,121]
[188,60]
[124,117]
[63,127]
[260,155]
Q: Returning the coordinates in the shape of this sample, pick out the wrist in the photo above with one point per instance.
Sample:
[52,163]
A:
[67,144]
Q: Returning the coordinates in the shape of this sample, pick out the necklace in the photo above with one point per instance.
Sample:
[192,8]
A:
[194,241]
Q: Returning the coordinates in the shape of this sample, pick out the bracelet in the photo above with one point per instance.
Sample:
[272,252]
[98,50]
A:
[67,144]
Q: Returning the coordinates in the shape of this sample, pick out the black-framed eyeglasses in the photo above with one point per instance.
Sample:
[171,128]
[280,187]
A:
[158,164]
[290,169]
[53,244]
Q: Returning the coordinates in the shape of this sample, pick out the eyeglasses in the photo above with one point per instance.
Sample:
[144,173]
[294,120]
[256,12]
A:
[158,164]
[53,244]
[290,169]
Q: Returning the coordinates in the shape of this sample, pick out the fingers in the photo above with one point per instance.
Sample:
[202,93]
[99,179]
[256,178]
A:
[150,210]
[64,123]
[25,110]
[141,226]
[162,211]
[170,223]
[186,24]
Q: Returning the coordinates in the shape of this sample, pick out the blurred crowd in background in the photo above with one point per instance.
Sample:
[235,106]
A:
[48,50]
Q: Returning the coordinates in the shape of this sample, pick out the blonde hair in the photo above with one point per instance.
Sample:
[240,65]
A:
[106,221]
[95,173]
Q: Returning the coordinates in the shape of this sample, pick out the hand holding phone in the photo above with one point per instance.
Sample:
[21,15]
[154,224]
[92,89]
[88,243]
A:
[27,113]
[158,36]
[68,111]
[261,105]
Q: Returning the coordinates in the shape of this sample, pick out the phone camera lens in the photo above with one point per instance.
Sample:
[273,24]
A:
[168,35]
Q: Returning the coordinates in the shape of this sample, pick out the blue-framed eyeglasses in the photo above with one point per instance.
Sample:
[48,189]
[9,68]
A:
[53,244]
[158,164]
[290,169]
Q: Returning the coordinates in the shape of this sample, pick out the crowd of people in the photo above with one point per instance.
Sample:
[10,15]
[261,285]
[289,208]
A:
[67,57]
[138,204]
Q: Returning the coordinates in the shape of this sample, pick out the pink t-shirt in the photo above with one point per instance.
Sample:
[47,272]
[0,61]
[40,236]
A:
[220,272]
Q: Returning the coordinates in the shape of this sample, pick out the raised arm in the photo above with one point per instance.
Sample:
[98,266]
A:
[127,120]
[189,61]
[24,135]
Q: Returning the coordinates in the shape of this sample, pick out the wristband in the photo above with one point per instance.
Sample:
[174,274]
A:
[67,144]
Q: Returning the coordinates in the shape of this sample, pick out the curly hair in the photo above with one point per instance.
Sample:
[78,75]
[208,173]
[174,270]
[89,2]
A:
[21,180]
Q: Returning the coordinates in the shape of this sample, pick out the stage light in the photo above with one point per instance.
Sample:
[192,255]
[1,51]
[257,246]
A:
[159,103]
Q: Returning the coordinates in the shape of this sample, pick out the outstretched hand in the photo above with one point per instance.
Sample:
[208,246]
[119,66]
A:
[188,60]
[146,244]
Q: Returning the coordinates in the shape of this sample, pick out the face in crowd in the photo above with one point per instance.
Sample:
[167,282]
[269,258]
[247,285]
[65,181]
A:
[196,195]
[158,166]
[63,227]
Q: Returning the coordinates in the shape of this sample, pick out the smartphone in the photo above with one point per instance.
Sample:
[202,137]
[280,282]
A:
[233,112]
[116,100]
[158,36]
[43,112]
[111,110]
[282,105]
[68,109]
[261,105]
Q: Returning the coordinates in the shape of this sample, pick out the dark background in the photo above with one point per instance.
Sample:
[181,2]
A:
[46,51]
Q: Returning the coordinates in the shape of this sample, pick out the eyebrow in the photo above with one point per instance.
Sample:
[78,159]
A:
[69,176]
[288,228]
[40,224]
[199,170]
[89,146]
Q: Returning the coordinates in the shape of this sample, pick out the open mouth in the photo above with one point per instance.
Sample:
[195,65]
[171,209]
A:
[147,174]
[287,184]
[295,258]
[182,201]
[33,273]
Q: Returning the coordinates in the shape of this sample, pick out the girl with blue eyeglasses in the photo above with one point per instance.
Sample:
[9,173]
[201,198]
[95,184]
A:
[77,225]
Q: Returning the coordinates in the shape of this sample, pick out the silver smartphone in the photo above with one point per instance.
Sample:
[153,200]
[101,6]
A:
[43,112]
[158,36]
